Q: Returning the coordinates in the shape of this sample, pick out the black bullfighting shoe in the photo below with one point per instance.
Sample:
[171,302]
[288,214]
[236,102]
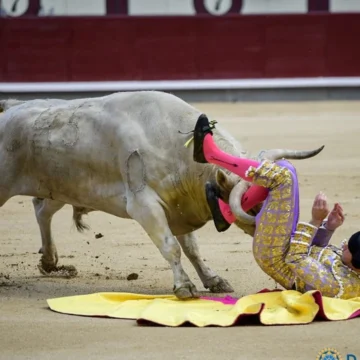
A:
[212,196]
[202,128]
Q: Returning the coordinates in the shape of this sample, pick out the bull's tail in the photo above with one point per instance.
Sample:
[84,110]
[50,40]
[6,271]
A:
[78,212]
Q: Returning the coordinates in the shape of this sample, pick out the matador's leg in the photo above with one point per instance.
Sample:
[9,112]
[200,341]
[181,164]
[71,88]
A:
[276,223]
[205,150]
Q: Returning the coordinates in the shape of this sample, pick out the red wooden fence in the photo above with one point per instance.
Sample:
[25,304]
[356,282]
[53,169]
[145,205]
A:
[173,48]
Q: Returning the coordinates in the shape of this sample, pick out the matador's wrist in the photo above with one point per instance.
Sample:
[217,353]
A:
[315,222]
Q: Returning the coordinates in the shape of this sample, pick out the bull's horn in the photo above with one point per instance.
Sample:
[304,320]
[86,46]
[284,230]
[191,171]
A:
[235,203]
[276,154]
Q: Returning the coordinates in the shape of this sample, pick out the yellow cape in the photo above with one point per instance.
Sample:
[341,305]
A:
[271,308]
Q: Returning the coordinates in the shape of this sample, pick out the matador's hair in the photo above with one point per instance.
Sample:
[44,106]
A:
[354,248]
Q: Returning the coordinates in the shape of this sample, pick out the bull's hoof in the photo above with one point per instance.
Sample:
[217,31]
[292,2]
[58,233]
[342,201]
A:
[187,291]
[49,258]
[46,265]
[64,271]
[219,285]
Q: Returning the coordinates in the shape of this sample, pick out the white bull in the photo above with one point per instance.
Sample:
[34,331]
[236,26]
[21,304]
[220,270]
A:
[122,154]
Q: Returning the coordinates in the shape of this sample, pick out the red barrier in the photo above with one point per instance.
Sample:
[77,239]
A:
[174,48]
[3,53]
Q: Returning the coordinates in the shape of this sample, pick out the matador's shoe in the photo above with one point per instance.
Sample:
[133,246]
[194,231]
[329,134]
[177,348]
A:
[212,197]
[202,128]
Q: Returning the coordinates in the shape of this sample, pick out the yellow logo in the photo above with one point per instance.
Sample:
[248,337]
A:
[329,354]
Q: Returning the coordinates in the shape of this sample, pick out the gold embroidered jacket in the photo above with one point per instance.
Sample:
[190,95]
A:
[320,268]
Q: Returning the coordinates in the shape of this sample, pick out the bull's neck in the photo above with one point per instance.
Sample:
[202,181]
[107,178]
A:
[207,173]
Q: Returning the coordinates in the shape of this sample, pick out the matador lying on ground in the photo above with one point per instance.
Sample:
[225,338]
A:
[295,254]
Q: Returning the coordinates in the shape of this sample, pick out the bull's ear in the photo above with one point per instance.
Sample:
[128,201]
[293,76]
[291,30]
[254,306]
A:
[221,178]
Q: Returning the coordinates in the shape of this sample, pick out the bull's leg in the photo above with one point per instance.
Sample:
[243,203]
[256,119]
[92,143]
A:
[44,211]
[209,278]
[146,210]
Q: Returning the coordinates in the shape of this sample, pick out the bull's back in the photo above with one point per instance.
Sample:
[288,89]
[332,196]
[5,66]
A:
[87,142]
[59,149]
[128,119]
[162,117]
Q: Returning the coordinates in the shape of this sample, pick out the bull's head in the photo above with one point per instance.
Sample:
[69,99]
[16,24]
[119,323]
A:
[232,187]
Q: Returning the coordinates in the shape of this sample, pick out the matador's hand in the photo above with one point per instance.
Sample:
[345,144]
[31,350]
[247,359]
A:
[336,218]
[320,209]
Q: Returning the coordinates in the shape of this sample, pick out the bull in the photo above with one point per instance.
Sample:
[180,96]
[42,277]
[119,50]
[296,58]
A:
[122,154]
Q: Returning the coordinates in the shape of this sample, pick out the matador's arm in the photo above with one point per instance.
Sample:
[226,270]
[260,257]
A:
[322,236]
[306,268]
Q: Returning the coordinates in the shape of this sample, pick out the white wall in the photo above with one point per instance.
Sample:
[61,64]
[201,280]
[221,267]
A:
[344,5]
[59,7]
[160,7]
[20,9]
[74,7]
[274,6]
[175,7]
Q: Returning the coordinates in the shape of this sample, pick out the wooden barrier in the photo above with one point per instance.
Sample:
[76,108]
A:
[53,49]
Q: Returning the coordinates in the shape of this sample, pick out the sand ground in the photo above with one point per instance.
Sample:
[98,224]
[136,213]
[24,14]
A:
[29,330]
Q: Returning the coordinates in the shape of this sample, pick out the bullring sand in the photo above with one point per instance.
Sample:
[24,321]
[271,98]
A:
[29,330]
